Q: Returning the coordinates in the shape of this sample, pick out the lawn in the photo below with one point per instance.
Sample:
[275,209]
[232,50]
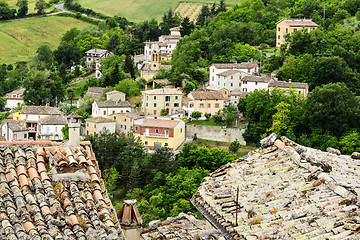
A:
[139,10]
[224,145]
[19,39]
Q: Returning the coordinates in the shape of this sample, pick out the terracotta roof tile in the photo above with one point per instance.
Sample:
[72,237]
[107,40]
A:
[160,123]
[298,22]
[207,95]
[283,84]
[51,207]
[112,104]
[41,110]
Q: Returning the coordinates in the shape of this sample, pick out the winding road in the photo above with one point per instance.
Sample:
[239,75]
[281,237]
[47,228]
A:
[62,9]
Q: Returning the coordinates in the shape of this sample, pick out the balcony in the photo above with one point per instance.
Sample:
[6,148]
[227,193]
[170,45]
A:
[32,129]
[157,135]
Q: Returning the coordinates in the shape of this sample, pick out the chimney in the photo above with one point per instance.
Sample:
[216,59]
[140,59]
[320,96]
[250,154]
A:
[289,80]
[74,133]
[130,220]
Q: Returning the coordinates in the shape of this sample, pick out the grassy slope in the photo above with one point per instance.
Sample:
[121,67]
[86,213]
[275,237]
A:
[139,10]
[19,39]
[31,5]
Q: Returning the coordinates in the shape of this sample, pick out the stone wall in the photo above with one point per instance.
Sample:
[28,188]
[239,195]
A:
[215,133]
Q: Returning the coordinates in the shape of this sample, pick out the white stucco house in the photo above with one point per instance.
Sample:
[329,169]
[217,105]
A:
[14,99]
[97,124]
[107,108]
[246,68]
[49,127]
[115,96]
[251,83]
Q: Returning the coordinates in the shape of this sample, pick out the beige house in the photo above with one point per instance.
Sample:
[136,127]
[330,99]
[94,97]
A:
[115,96]
[288,26]
[107,108]
[163,98]
[14,99]
[125,121]
[204,101]
[298,87]
[97,124]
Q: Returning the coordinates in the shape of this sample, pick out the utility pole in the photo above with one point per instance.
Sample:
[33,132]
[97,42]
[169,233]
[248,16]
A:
[324,13]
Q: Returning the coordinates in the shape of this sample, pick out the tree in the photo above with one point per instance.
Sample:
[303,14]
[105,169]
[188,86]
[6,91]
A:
[42,87]
[6,12]
[332,108]
[164,112]
[44,57]
[65,132]
[67,53]
[113,43]
[129,66]
[207,116]
[128,86]
[186,27]
[281,119]
[234,146]
[196,114]
[204,13]
[40,6]
[22,7]
[70,35]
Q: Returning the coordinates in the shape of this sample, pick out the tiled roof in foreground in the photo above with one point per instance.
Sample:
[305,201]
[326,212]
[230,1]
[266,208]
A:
[50,191]
[286,191]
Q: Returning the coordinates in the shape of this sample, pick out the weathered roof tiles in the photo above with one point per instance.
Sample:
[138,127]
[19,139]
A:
[53,192]
[284,191]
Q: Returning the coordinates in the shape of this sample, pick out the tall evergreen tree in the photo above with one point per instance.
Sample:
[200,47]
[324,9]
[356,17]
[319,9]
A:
[186,27]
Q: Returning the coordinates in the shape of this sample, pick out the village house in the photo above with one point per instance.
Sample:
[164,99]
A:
[204,101]
[152,101]
[115,96]
[14,130]
[298,87]
[156,133]
[97,124]
[33,114]
[125,121]
[236,95]
[14,99]
[230,72]
[252,83]
[158,83]
[93,56]
[225,92]
[106,108]
[283,190]
[288,26]
[49,127]
[165,46]
[148,71]
[54,191]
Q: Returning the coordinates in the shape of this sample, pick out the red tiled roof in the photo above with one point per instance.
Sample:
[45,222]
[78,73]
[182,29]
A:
[299,22]
[160,123]
[52,191]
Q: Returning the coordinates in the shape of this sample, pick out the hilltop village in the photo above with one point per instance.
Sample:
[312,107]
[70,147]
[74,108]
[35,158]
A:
[241,121]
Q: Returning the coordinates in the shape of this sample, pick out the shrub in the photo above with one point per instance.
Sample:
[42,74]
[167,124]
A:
[207,115]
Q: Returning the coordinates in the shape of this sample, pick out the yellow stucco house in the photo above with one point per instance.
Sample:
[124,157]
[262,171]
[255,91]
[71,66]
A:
[288,26]
[298,87]
[156,133]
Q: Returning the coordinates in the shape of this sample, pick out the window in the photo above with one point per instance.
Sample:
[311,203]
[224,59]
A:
[167,132]
[255,83]
[278,36]
[154,112]
[113,112]
[104,112]
[87,124]
[209,105]
[154,104]
[167,98]
[295,29]
[201,105]
[231,84]
[147,104]
[114,117]
[286,30]
[146,143]
[15,136]
[176,97]
[167,104]
[176,104]
[25,135]
[279,29]
[249,70]
[154,97]
[244,82]
[244,89]
[125,127]
[181,130]
[213,78]
[166,144]
[216,105]
[47,130]
[156,130]
[231,77]
[121,126]
[239,84]
[136,128]
[55,129]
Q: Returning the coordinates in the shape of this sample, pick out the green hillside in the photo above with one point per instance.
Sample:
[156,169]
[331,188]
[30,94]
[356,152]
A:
[139,10]
[19,39]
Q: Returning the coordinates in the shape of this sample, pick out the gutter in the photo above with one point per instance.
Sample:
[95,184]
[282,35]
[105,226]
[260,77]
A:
[210,219]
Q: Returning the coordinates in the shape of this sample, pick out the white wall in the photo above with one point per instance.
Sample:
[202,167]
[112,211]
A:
[50,131]
[252,86]
[13,103]
[96,111]
[108,125]
[32,117]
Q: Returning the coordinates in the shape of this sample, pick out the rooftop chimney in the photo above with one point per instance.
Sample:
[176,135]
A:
[74,133]
[130,220]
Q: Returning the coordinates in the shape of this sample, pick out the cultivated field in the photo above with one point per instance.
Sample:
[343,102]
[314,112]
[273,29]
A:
[140,10]
[19,39]
[189,9]
[31,4]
